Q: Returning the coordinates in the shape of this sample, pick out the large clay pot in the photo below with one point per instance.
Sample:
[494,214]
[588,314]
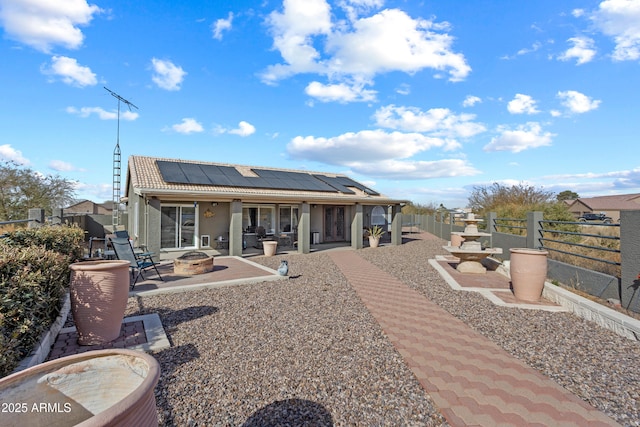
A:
[99,292]
[528,270]
[96,388]
[270,248]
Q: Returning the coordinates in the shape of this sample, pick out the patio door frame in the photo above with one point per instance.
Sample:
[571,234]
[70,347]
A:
[180,225]
[334,223]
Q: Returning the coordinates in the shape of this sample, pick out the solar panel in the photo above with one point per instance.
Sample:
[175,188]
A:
[201,174]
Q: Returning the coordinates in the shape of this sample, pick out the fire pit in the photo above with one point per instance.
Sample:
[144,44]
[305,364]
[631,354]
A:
[192,263]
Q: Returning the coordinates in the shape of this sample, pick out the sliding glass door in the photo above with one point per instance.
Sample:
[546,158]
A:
[178,227]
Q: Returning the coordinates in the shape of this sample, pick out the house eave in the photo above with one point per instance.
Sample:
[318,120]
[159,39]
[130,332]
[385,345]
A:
[227,196]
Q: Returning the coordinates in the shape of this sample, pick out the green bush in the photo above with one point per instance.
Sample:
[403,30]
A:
[34,276]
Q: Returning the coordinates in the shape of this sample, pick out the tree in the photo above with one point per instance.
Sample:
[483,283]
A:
[486,198]
[567,195]
[22,189]
[418,209]
[516,201]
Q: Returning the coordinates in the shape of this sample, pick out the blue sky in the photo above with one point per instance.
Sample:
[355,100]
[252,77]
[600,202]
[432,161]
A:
[422,100]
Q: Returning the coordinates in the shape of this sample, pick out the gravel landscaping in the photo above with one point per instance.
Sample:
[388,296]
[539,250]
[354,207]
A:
[307,352]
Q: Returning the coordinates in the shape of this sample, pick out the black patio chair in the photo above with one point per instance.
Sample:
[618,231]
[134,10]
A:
[139,262]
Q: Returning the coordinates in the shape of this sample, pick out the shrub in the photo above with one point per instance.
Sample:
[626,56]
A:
[34,276]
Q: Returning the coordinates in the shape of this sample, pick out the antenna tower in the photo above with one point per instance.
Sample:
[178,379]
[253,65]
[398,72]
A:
[117,168]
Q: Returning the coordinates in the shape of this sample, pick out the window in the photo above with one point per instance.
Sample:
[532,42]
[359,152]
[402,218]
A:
[288,219]
[377,216]
[256,216]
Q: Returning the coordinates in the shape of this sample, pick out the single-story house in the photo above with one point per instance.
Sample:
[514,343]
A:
[608,205]
[87,207]
[178,205]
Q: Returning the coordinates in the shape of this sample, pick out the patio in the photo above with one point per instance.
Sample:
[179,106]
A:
[336,344]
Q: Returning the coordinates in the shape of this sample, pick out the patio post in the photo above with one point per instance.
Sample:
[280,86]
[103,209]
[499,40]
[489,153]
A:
[235,228]
[356,228]
[304,229]
[396,225]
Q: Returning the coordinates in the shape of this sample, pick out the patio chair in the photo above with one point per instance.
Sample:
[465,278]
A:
[125,234]
[261,235]
[139,262]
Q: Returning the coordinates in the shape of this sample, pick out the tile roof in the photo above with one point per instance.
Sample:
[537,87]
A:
[144,177]
[615,202]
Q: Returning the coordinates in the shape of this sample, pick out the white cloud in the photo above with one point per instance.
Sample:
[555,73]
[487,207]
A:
[522,104]
[102,114]
[393,41]
[221,25]
[620,19]
[578,12]
[577,102]
[61,166]
[341,92]
[243,129]
[43,24]
[534,47]
[10,154]
[439,122]
[70,72]
[353,51]
[403,89]
[292,32]
[407,170]
[187,126]
[379,154]
[582,50]
[364,146]
[166,74]
[471,100]
[524,137]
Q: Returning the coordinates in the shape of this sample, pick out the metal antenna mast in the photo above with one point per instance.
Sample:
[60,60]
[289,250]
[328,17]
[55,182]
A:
[117,169]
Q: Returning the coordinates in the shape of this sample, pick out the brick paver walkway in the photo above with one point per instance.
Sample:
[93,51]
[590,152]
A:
[471,379]
[131,334]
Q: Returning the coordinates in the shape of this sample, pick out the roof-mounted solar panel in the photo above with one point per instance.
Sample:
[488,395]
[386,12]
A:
[205,174]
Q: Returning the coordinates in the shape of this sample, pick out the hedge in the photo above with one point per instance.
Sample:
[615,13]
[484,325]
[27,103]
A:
[34,277]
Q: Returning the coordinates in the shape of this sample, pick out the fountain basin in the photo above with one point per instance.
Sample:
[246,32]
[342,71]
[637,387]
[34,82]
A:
[471,259]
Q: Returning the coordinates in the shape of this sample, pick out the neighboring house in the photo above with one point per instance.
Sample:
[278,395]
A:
[609,205]
[176,205]
[90,208]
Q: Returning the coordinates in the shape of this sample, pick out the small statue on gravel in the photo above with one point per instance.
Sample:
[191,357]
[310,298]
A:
[284,268]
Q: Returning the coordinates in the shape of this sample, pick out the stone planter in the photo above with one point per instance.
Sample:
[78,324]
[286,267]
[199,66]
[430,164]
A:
[456,240]
[374,242]
[528,271]
[96,388]
[270,248]
[99,292]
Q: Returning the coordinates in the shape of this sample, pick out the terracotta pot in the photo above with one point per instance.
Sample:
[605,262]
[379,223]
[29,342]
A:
[269,248]
[97,388]
[99,292]
[374,242]
[528,270]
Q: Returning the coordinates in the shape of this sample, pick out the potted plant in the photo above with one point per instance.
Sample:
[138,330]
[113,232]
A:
[375,233]
[528,271]
[112,387]
[99,291]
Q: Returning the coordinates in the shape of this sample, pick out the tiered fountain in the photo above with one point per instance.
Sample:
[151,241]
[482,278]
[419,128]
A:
[470,252]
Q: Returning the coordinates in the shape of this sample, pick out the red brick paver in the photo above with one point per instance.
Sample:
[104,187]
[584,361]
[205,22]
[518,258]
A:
[471,379]
[66,344]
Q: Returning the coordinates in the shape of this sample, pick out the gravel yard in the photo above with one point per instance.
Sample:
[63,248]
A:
[307,352]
